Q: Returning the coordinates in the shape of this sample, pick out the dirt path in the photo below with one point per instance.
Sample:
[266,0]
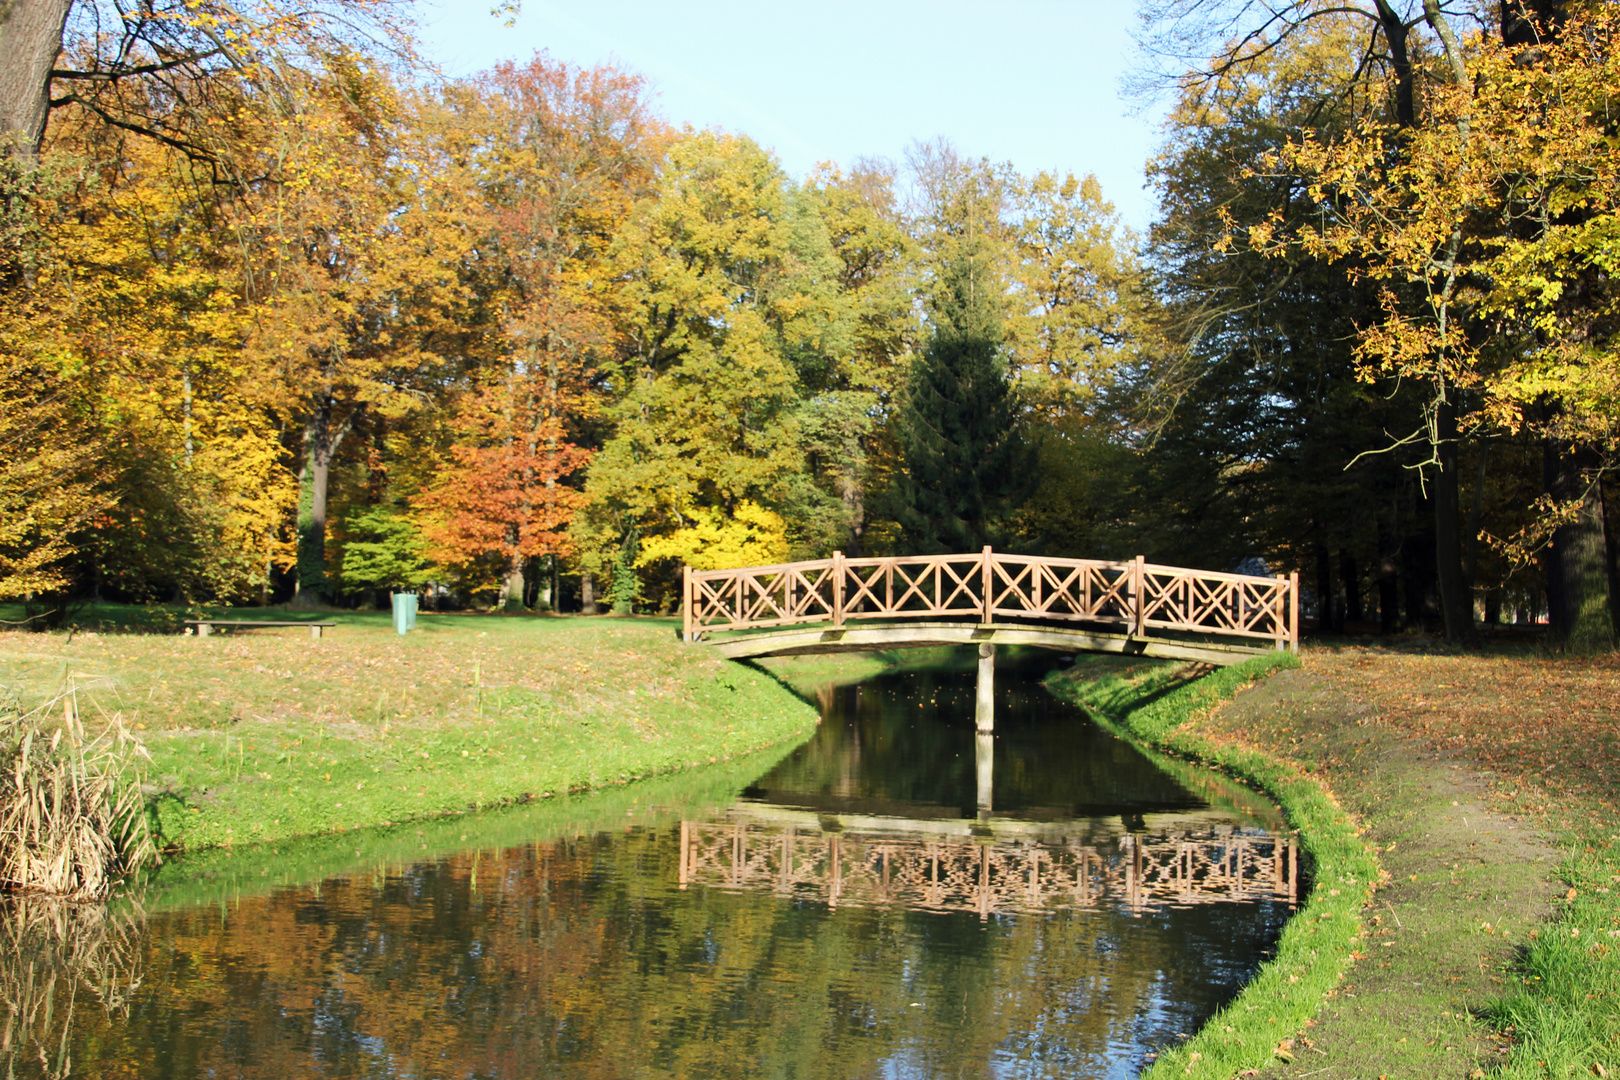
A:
[1467,884]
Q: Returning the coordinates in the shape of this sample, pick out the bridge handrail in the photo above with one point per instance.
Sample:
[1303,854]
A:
[1137,596]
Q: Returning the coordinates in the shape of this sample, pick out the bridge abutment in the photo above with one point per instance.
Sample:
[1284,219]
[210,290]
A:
[984,713]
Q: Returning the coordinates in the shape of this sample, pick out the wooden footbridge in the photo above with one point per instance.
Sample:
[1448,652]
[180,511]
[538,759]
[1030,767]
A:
[990,599]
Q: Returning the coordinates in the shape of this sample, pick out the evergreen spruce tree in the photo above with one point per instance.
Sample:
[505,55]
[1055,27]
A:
[969,465]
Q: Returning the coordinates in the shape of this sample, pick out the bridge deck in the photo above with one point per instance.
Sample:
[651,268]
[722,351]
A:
[864,637]
[1139,608]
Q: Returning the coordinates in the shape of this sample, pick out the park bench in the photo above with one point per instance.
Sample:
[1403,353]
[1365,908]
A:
[208,626]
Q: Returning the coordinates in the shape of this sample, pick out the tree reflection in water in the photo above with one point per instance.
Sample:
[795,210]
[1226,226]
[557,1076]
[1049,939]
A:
[583,956]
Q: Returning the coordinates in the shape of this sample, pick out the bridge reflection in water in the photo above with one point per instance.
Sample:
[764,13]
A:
[921,866]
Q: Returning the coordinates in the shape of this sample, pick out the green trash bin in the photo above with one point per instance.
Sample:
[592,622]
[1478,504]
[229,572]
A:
[404,612]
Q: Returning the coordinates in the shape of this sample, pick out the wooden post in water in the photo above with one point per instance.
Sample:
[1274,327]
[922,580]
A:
[984,714]
[984,750]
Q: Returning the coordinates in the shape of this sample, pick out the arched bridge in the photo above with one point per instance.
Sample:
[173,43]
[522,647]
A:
[839,604]
[990,599]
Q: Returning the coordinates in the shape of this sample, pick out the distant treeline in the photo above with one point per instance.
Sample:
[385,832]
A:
[286,318]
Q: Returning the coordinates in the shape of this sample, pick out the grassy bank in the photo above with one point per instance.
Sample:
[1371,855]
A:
[267,735]
[225,875]
[1152,702]
[812,673]
[1536,743]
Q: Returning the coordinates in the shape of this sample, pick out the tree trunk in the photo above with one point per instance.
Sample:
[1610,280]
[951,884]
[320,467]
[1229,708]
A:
[30,40]
[1577,560]
[1324,590]
[587,595]
[1389,570]
[1456,607]
[1420,606]
[1476,521]
[321,441]
[1350,580]
[1396,32]
[513,600]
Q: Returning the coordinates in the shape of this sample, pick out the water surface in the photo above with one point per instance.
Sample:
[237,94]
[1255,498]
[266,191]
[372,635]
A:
[896,898]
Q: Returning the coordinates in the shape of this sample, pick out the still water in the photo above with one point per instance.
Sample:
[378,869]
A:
[894,899]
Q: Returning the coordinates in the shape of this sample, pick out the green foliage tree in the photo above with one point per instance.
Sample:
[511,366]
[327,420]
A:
[383,549]
[967,455]
[702,402]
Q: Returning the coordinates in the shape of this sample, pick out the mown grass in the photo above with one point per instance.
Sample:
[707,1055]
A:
[1152,702]
[267,735]
[224,875]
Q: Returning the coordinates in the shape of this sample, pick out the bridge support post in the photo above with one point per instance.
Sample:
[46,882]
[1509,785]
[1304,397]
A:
[984,714]
[984,751]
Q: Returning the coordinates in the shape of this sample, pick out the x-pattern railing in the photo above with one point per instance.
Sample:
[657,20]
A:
[1138,598]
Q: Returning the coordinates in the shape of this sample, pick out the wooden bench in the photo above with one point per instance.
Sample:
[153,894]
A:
[208,626]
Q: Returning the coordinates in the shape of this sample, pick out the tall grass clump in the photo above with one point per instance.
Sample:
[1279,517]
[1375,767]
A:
[72,813]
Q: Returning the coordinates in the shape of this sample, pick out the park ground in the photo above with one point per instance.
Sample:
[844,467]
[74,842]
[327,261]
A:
[1481,787]
[1485,787]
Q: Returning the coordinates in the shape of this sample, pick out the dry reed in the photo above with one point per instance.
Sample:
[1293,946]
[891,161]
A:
[72,813]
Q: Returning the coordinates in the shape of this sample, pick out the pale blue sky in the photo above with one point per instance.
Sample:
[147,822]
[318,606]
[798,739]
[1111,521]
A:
[1033,82]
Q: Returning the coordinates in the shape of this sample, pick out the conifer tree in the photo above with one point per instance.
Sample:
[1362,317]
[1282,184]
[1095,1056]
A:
[968,463]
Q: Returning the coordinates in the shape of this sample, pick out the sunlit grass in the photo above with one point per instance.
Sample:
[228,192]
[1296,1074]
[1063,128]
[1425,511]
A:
[267,734]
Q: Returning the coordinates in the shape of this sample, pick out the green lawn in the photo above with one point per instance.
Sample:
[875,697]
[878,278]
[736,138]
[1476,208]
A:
[265,734]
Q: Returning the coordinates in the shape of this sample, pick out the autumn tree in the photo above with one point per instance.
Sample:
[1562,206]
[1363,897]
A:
[703,397]
[555,157]
[359,287]
[852,400]
[1078,297]
[1245,402]
[1387,57]
[1489,214]
[171,70]
[166,116]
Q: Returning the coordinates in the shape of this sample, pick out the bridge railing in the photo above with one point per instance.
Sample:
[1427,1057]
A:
[1137,598]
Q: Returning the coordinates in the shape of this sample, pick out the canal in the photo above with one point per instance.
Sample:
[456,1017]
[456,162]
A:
[896,898]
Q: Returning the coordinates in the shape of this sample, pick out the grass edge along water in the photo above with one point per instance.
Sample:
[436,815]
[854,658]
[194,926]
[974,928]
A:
[1318,944]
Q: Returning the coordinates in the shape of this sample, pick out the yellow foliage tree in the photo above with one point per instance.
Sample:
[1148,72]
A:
[751,536]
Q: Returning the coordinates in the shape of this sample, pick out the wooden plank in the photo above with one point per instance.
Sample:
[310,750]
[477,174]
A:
[254,623]
[838,588]
[686,604]
[986,599]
